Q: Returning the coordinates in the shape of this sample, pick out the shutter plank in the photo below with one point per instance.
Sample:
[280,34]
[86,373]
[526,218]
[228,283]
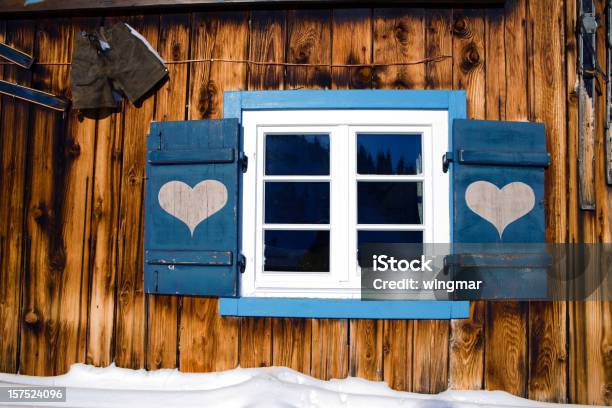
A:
[131,317]
[547,361]
[171,99]
[466,339]
[506,322]
[14,156]
[214,35]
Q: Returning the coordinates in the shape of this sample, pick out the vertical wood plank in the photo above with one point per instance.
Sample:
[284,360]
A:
[13,156]
[267,44]
[330,345]
[547,354]
[366,348]
[78,161]
[506,99]
[103,238]
[291,343]
[309,42]
[207,341]
[399,36]
[352,44]
[467,337]
[131,316]
[43,334]
[171,100]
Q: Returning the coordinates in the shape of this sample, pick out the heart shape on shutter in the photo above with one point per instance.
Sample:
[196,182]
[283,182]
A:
[500,207]
[192,205]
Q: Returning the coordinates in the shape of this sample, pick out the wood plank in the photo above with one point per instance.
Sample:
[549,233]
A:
[131,316]
[219,36]
[467,336]
[77,174]
[438,41]
[352,44]
[267,44]
[291,343]
[13,156]
[505,356]
[398,36]
[214,35]
[309,42]
[50,344]
[431,355]
[170,104]
[103,238]
[366,349]
[65,5]
[330,346]
[547,354]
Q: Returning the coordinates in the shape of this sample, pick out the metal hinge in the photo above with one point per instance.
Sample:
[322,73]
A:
[241,263]
[447,159]
[244,162]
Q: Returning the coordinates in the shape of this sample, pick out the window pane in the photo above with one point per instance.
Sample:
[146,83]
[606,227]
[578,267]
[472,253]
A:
[388,154]
[297,202]
[290,155]
[389,237]
[389,203]
[374,243]
[296,251]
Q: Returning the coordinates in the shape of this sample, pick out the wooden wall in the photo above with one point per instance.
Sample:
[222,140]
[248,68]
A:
[71,215]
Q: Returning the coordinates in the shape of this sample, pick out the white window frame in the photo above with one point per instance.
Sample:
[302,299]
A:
[343,280]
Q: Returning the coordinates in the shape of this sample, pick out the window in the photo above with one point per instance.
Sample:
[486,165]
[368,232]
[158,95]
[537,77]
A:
[323,182]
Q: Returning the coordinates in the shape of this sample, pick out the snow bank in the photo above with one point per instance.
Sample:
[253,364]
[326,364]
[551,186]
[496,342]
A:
[272,387]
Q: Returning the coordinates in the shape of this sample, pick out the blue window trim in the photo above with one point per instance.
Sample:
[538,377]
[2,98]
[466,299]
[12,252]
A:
[235,102]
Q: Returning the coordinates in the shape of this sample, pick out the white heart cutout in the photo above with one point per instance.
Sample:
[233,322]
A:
[192,205]
[500,207]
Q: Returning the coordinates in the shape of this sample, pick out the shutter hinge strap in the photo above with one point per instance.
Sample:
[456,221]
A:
[447,159]
[241,263]
[244,162]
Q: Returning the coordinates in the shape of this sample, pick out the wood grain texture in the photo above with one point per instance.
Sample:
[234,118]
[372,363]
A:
[329,349]
[439,41]
[547,321]
[505,356]
[309,42]
[13,156]
[467,336]
[366,349]
[291,343]
[103,239]
[214,35]
[267,43]
[170,104]
[44,333]
[352,44]
[131,317]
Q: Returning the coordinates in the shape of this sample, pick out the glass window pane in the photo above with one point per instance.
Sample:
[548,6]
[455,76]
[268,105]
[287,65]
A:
[296,251]
[389,203]
[388,154]
[290,155]
[296,202]
[373,243]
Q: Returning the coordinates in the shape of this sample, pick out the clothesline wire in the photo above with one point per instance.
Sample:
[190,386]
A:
[272,63]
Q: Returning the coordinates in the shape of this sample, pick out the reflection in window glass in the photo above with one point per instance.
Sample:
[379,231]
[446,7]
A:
[291,155]
[388,154]
[296,251]
[297,202]
[389,203]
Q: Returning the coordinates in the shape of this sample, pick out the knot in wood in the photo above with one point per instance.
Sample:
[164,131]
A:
[31,317]
[176,51]
[471,57]
[73,149]
[401,32]
[460,27]
[41,214]
[362,77]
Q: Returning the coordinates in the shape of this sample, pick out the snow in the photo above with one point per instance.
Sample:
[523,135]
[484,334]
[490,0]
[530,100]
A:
[270,387]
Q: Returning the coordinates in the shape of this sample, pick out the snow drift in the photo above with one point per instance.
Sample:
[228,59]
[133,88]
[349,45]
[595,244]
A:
[89,386]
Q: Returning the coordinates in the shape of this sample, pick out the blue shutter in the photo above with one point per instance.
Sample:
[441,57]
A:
[498,197]
[191,219]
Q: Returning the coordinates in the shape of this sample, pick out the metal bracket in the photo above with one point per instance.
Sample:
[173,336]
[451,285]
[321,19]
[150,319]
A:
[241,263]
[244,162]
[447,159]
